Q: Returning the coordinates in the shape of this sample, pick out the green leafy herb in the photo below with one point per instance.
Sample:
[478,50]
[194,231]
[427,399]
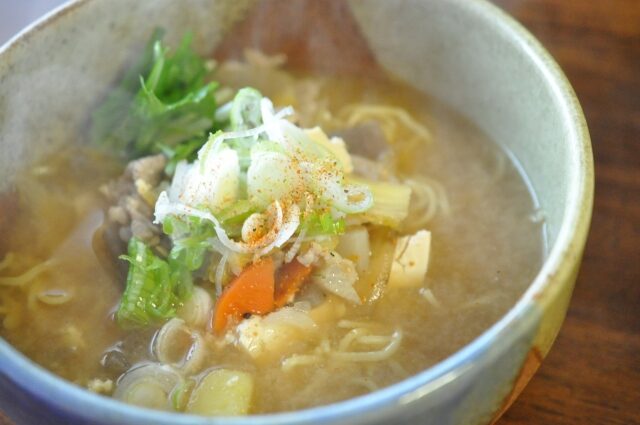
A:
[191,241]
[153,292]
[156,287]
[324,224]
[187,151]
[162,101]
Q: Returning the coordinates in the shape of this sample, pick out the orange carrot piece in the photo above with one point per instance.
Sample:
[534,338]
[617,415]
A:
[251,292]
[290,278]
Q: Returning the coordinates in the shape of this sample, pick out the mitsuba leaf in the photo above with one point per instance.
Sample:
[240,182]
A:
[162,101]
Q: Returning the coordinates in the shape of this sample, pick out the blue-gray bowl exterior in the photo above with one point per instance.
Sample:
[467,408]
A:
[467,388]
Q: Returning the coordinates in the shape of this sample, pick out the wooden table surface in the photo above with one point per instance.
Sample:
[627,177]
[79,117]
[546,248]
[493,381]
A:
[592,375]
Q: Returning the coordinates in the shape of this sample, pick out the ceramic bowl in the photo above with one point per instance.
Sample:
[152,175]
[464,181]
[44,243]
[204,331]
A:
[467,53]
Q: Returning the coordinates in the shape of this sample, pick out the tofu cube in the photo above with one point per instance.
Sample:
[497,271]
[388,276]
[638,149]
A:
[410,260]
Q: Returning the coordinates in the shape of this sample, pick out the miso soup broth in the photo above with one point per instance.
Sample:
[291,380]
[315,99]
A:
[62,284]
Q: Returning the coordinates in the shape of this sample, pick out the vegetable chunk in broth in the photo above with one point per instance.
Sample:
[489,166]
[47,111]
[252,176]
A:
[246,239]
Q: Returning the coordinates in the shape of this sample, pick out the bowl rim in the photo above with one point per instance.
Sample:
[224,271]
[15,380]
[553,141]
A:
[563,257]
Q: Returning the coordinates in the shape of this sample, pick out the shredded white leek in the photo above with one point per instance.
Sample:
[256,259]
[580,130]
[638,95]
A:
[284,228]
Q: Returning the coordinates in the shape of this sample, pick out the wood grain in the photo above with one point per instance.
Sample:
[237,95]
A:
[592,375]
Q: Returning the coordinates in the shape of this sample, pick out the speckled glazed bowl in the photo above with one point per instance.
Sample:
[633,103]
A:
[467,53]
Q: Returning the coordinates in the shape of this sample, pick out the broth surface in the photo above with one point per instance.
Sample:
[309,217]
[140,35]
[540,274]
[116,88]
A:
[486,249]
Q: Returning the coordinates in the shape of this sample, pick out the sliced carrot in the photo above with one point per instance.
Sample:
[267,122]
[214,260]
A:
[251,292]
[290,278]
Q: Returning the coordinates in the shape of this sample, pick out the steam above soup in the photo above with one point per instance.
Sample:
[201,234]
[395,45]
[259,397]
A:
[238,239]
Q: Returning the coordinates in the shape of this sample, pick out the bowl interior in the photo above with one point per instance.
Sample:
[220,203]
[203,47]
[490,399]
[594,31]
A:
[415,40]
[492,72]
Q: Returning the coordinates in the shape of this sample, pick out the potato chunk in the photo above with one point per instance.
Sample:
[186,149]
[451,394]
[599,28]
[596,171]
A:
[222,392]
